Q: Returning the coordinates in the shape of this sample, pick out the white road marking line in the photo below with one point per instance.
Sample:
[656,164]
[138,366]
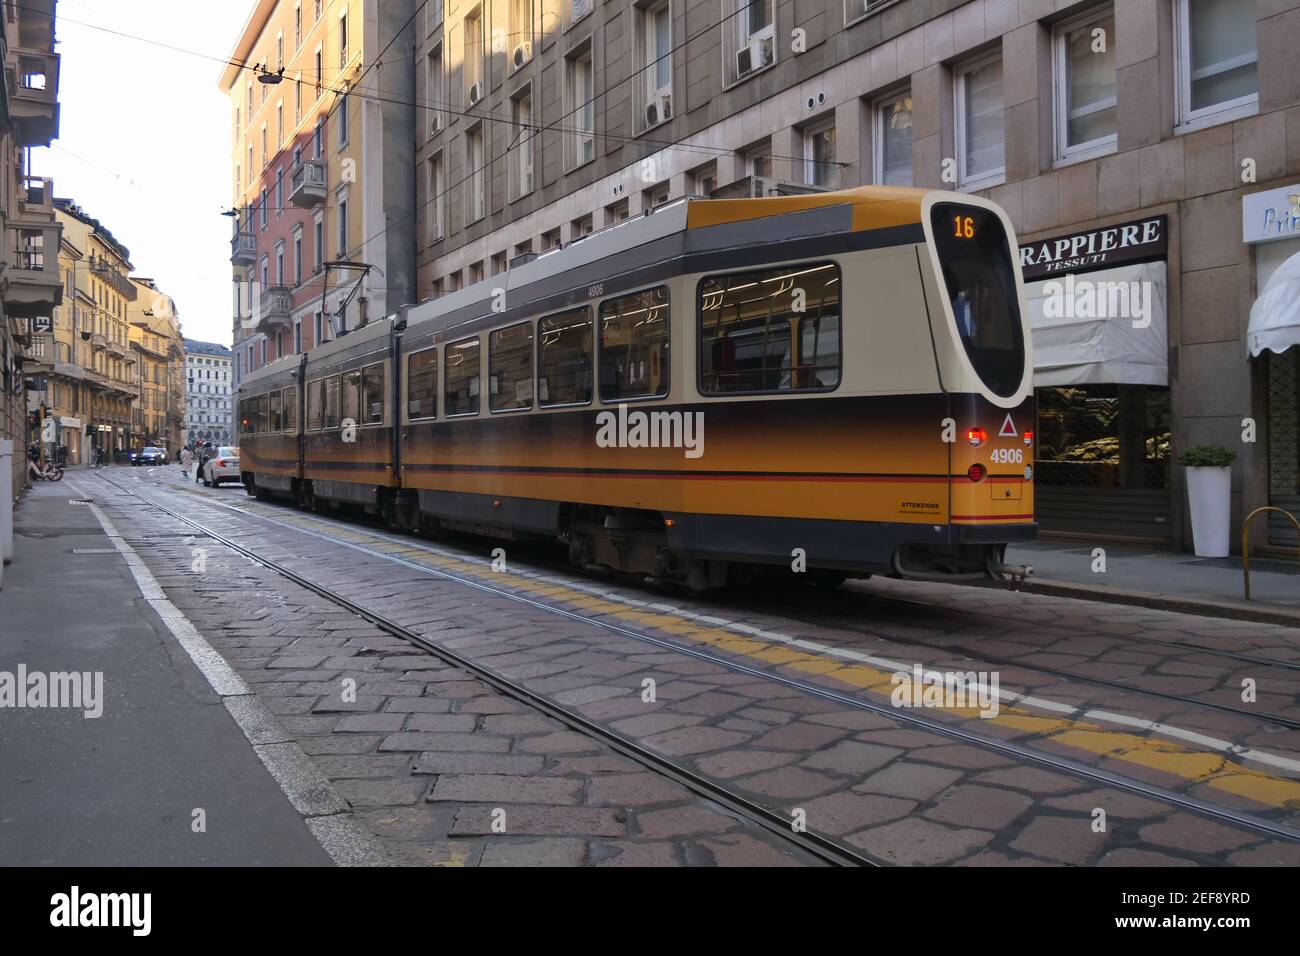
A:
[1227,747]
[326,813]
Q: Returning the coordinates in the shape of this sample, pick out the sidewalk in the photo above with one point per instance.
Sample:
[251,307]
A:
[1167,580]
[121,788]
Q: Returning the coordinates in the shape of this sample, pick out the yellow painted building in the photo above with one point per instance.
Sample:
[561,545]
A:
[159,412]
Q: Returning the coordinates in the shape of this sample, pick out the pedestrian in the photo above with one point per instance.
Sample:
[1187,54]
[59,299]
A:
[187,458]
[204,455]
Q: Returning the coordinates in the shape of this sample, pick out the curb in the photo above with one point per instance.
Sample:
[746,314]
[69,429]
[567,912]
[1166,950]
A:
[1229,610]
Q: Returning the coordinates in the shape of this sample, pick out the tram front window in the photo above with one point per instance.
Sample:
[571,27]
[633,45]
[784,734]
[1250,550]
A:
[977,271]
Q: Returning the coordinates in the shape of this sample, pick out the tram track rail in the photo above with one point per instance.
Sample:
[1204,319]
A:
[824,848]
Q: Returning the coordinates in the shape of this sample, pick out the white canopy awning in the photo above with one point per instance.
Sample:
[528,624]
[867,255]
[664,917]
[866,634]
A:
[1108,327]
[1275,316]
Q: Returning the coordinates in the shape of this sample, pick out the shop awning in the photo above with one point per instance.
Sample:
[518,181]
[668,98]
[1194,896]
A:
[1108,327]
[1275,316]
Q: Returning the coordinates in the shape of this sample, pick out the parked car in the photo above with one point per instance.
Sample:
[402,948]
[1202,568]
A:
[149,456]
[223,466]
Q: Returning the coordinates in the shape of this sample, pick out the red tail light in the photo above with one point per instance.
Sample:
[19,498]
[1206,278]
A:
[1029,437]
[220,463]
[977,436]
[976,473]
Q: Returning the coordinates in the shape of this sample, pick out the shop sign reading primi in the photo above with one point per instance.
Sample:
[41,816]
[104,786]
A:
[1271,215]
[1140,241]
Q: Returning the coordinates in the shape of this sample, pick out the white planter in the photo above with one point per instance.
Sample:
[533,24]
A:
[1209,493]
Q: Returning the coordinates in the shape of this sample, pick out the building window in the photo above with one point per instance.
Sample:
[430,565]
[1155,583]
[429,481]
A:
[616,212]
[1085,85]
[582,108]
[522,153]
[320,71]
[433,14]
[297,102]
[980,142]
[297,336]
[436,198]
[297,257]
[655,196]
[521,33]
[749,46]
[343,227]
[475,176]
[265,205]
[758,160]
[704,180]
[1217,60]
[318,139]
[279,51]
[343,40]
[473,72]
[319,238]
[551,240]
[820,168]
[434,84]
[297,26]
[893,138]
[266,147]
[422,384]
[653,50]
[279,191]
[343,121]
[579,228]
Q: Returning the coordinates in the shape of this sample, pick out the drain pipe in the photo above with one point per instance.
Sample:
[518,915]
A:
[6,505]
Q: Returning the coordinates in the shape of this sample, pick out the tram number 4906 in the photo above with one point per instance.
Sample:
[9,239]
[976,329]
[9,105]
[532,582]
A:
[1008,456]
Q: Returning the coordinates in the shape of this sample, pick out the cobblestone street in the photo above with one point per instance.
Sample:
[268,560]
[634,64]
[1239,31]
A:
[1114,713]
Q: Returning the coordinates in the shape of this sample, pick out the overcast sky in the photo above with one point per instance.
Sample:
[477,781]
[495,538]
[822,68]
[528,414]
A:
[144,141]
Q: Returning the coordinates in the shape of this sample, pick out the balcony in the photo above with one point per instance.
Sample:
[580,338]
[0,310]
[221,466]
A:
[34,284]
[274,309]
[38,357]
[308,184]
[34,81]
[243,249]
[36,196]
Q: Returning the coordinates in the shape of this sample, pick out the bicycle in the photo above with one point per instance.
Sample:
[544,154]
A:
[47,472]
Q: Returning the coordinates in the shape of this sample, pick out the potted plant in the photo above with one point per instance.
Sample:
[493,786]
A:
[1209,494]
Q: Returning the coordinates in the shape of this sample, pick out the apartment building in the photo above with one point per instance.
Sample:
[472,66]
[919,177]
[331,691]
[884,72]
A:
[158,415]
[1129,142]
[209,390]
[30,285]
[322,135]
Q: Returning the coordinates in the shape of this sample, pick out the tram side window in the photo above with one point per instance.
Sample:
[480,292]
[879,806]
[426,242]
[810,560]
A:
[422,384]
[775,330]
[634,334]
[245,422]
[263,413]
[290,406]
[372,395]
[315,404]
[352,396]
[276,421]
[510,368]
[461,388]
[564,358]
[331,403]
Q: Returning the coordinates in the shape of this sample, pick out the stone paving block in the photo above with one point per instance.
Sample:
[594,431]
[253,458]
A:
[621,853]
[645,724]
[845,811]
[527,820]
[788,783]
[502,788]
[633,790]
[379,793]
[339,744]
[559,742]
[735,763]
[1131,856]
[468,743]
[917,842]
[443,723]
[849,757]
[680,821]
[1186,832]
[299,662]
[417,705]
[546,852]
[512,724]
[477,763]
[1068,839]
[336,705]
[685,741]
[986,808]
[911,780]
[740,849]
[370,723]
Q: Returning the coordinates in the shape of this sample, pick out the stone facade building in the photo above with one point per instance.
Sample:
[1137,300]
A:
[209,390]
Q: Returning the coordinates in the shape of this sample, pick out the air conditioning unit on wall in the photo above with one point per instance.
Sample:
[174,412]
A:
[523,53]
[435,124]
[754,55]
[476,93]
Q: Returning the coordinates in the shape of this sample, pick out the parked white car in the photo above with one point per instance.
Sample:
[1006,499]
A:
[224,466]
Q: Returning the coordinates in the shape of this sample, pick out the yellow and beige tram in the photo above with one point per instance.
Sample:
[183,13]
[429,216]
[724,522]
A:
[838,381]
